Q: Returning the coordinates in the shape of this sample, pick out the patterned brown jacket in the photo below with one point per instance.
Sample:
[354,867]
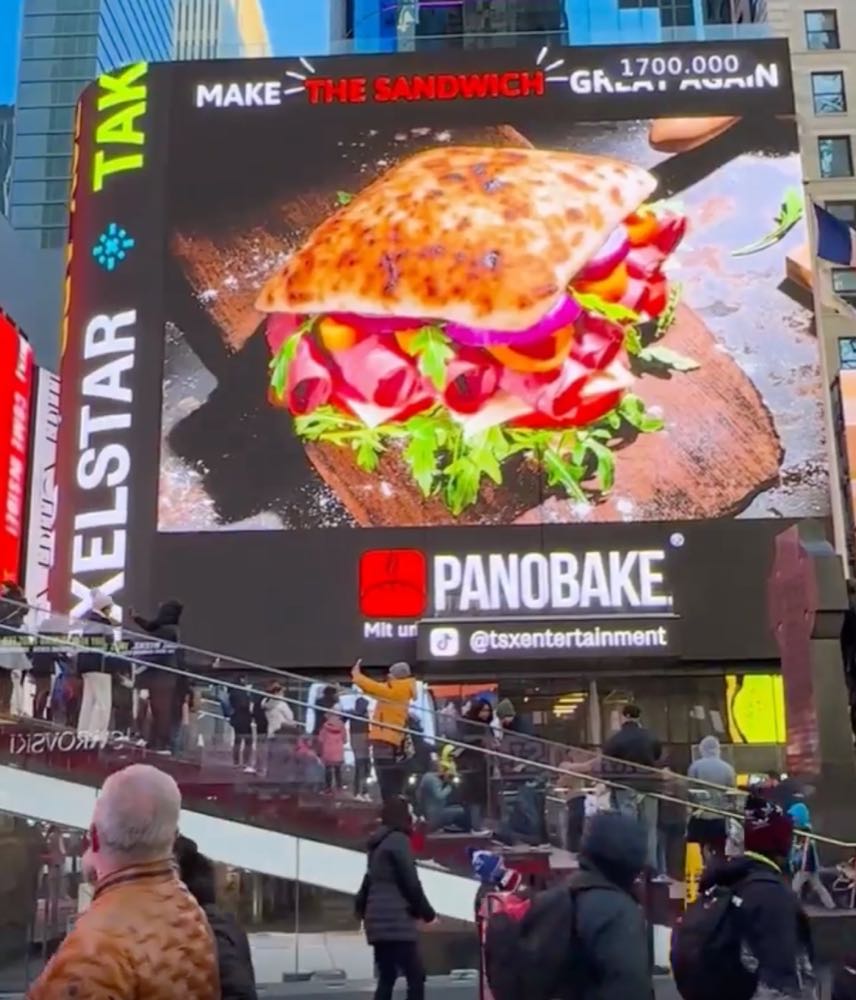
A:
[143,938]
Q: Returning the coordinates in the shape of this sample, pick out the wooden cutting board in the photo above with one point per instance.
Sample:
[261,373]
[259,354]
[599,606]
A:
[718,450]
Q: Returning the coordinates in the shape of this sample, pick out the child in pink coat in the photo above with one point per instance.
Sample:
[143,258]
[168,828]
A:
[331,740]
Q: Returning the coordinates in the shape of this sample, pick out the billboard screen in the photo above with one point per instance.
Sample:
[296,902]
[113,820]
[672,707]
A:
[16,396]
[42,502]
[349,312]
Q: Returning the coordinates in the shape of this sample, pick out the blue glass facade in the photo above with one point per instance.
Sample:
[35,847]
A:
[388,25]
[64,45]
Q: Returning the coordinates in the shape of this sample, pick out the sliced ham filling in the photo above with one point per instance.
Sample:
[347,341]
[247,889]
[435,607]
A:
[571,378]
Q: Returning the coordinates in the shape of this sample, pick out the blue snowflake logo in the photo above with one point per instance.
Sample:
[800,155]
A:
[112,247]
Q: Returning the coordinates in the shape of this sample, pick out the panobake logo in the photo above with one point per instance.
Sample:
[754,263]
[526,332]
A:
[393,583]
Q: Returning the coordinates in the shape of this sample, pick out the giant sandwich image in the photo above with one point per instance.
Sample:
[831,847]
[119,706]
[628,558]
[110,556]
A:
[473,305]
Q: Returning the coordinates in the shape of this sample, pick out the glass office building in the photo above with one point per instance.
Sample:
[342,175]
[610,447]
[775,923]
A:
[64,45]
[390,25]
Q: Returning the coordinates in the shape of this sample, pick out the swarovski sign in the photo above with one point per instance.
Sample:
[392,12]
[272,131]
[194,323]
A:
[593,582]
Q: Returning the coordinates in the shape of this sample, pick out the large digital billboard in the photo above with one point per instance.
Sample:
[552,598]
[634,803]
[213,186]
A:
[333,320]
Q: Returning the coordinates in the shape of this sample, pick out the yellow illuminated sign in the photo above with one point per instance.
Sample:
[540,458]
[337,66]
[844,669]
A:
[119,137]
[756,708]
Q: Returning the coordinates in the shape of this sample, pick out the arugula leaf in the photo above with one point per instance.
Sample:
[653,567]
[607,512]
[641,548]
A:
[463,479]
[433,350]
[665,357]
[790,213]
[609,310]
[344,198]
[368,447]
[281,361]
[632,409]
[484,455]
[632,340]
[666,320]
[422,450]
[565,474]
[605,463]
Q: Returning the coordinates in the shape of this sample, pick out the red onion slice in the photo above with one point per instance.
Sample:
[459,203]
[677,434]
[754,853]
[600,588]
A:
[607,259]
[566,311]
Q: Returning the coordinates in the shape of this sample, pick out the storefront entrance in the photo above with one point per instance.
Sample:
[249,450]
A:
[744,710]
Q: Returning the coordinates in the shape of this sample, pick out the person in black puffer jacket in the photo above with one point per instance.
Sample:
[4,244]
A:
[237,979]
[776,938]
[162,685]
[391,903]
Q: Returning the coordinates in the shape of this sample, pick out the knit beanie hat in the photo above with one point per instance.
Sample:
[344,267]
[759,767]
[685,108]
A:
[766,829]
[490,870]
[398,671]
[505,709]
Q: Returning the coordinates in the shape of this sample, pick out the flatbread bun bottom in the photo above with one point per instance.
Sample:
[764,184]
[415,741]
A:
[485,237]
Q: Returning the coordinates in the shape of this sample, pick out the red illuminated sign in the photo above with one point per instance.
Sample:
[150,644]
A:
[16,393]
[393,583]
[425,87]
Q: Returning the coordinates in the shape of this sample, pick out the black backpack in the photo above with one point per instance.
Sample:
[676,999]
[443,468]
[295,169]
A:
[539,957]
[707,944]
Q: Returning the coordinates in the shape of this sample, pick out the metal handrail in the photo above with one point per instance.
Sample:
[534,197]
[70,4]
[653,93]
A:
[458,744]
[240,663]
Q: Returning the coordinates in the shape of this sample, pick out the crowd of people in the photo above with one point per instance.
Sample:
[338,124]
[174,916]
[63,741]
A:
[153,929]
[457,785]
[98,691]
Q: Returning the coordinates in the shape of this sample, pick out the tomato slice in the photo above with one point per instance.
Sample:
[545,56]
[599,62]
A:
[642,227]
[543,356]
[336,336]
[672,230]
[656,297]
[610,289]
[404,339]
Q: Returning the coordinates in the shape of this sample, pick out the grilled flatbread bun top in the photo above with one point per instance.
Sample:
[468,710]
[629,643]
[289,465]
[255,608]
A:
[480,236]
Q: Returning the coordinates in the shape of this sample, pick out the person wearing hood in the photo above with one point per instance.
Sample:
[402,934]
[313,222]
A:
[391,903]
[435,791]
[610,924]
[96,667]
[234,958]
[510,721]
[805,863]
[474,765]
[387,734]
[166,695]
[709,829]
[775,935]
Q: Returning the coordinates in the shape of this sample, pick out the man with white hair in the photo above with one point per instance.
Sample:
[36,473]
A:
[144,937]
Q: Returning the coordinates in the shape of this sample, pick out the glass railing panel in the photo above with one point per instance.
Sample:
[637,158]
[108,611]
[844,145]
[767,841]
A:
[515,788]
[432,721]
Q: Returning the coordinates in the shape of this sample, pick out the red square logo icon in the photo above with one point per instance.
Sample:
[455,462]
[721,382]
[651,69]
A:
[393,583]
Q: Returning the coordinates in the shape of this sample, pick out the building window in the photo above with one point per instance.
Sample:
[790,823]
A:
[844,283]
[836,156]
[844,210]
[827,90]
[821,29]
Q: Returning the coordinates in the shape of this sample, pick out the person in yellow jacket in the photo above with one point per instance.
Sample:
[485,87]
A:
[386,737]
